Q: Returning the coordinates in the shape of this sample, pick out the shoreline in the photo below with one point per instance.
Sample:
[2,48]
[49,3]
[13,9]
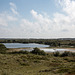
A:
[19,49]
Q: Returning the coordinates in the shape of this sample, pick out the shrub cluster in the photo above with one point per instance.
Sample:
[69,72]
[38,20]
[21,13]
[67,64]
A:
[67,53]
[64,54]
[56,54]
[2,48]
[38,51]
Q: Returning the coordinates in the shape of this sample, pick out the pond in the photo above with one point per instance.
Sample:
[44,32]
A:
[30,47]
[21,45]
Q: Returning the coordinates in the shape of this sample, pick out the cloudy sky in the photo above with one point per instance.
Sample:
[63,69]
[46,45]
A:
[37,18]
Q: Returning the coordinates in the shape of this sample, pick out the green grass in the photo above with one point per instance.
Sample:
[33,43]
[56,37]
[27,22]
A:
[37,63]
[31,64]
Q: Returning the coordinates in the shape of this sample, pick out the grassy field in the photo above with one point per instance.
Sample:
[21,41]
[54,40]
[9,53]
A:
[32,64]
[36,62]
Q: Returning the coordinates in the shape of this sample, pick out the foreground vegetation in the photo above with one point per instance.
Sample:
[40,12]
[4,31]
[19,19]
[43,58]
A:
[32,64]
[37,62]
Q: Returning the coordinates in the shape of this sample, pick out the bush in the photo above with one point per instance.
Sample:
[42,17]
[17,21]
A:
[56,53]
[67,53]
[2,48]
[38,51]
[73,54]
[64,54]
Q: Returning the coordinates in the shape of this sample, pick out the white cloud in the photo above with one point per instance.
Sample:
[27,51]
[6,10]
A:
[36,15]
[61,22]
[13,8]
[3,19]
[14,11]
[11,18]
[61,25]
[29,27]
[68,7]
[6,17]
[13,5]
[3,22]
[44,22]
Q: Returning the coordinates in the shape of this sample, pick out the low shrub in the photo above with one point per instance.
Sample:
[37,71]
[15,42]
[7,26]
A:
[38,51]
[69,59]
[56,54]
[2,48]
[67,53]
[64,54]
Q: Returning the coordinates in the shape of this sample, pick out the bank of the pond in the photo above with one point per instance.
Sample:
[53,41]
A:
[57,49]
[44,49]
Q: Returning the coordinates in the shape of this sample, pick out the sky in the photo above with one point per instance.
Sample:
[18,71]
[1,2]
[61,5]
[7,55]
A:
[37,18]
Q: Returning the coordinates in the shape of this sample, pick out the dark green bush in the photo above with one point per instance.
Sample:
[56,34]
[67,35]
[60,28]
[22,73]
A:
[67,53]
[2,48]
[56,54]
[73,53]
[38,51]
[64,54]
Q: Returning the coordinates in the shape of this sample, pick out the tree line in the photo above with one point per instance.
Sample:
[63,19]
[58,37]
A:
[51,42]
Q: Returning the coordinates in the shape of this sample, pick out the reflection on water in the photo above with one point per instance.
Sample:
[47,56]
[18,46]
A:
[50,50]
[54,50]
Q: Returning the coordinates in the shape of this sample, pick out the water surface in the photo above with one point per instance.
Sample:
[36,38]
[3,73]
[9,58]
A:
[21,45]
